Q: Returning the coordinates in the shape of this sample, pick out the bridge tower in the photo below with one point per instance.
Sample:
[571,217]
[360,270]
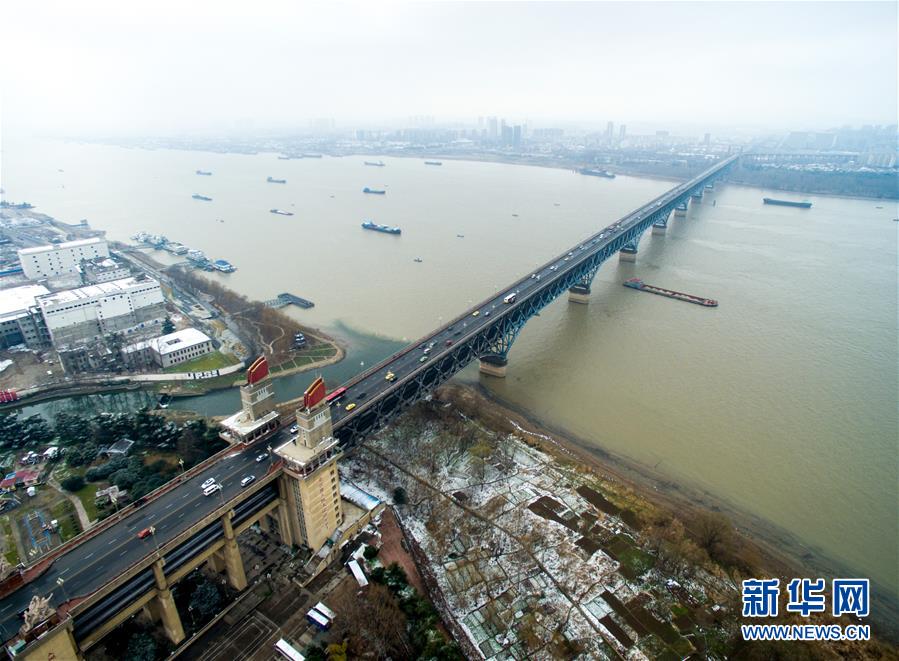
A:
[309,481]
[257,416]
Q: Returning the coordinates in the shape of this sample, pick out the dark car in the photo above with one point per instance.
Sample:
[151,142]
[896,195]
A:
[361,395]
[449,343]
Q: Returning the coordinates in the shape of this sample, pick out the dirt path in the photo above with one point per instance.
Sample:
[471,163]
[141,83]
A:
[83,518]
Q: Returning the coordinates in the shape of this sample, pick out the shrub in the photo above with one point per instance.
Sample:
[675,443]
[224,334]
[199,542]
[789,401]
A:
[73,483]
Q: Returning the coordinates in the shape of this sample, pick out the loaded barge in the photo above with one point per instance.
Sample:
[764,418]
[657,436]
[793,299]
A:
[787,203]
[369,225]
[639,285]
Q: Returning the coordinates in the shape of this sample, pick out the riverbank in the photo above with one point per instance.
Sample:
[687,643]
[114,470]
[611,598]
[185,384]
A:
[778,551]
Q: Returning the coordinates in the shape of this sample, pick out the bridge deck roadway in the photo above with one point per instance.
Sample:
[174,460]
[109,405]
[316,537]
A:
[99,559]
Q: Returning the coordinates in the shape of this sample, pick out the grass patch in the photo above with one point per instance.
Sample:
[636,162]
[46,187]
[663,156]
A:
[11,554]
[64,512]
[633,559]
[87,494]
[211,361]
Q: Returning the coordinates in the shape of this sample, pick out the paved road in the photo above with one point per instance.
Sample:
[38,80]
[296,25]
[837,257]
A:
[106,555]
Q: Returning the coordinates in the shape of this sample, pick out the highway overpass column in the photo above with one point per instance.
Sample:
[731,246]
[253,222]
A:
[284,510]
[237,577]
[165,607]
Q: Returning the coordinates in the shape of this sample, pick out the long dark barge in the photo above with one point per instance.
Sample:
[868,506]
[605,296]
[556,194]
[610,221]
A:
[787,203]
[639,285]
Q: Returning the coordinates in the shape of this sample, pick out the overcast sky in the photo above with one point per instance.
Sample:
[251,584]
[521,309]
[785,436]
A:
[164,67]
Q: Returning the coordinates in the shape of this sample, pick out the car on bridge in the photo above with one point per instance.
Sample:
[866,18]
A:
[390,376]
[423,359]
[208,483]
[294,429]
[249,479]
[143,534]
[211,489]
[350,406]
[475,313]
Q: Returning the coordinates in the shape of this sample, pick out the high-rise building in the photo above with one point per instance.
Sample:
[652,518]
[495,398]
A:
[610,130]
[516,136]
[622,132]
[493,128]
[311,483]
[707,140]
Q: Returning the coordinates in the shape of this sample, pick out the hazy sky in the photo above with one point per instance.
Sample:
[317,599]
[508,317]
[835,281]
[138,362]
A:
[162,67]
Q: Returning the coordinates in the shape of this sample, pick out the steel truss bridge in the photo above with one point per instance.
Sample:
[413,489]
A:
[489,338]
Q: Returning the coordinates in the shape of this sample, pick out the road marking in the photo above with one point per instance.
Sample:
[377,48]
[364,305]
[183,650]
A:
[181,515]
[90,555]
[123,553]
[169,506]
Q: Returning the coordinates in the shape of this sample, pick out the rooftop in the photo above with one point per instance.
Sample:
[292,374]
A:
[181,339]
[94,291]
[59,246]
[297,453]
[20,298]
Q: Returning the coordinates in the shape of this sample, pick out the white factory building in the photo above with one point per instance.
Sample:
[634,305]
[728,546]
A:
[60,259]
[20,317]
[87,313]
[172,349]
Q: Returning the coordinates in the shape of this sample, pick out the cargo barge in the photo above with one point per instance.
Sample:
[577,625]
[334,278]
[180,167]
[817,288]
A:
[369,225]
[787,203]
[639,285]
[197,196]
[374,191]
[433,162]
[593,172]
[204,173]
[281,212]
[377,164]
[272,180]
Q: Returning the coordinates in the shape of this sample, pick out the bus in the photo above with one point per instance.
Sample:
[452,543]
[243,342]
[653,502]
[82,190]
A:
[508,300]
[288,651]
[324,610]
[335,395]
[318,620]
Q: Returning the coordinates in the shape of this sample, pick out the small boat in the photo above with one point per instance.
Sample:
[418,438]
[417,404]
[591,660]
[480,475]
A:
[280,212]
[460,236]
[164,401]
[433,163]
[514,215]
[205,173]
[418,259]
[223,265]
[272,180]
[197,196]
[377,164]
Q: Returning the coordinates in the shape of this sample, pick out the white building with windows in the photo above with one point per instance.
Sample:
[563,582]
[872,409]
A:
[87,313]
[180,346]
[59,259]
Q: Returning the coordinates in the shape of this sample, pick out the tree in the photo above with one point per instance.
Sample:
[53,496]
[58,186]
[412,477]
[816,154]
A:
[72,429]
[370,552]
[73,483]
[206,600]
[36,431]
[10,431]
[399,496]
[371,624]
[168,326]
[141,647]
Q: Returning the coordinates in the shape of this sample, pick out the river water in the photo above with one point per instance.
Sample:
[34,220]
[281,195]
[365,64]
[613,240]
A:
[781,402]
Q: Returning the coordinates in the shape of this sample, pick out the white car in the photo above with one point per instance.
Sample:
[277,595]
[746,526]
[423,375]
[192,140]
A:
[208,483]
[247,480]
[294,429]
[211,489]
[261,457]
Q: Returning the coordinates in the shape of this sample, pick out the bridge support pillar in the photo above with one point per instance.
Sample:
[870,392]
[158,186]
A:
[680,211]
[237,577]
[659,229]
[58,645]
[580,293]
[494,366]
[628,253]
[163,606]
[283,511]
[216,562]
[696,198]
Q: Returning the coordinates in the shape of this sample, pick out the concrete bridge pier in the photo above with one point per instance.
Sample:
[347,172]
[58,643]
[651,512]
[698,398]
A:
[628,253]
[493,366]
[660,227]
[163,606]
[237,577]
[58,644]
[580,293]
[696,198]
[680,211]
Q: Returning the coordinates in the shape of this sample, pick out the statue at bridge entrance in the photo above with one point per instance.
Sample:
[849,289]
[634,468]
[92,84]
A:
[39,610]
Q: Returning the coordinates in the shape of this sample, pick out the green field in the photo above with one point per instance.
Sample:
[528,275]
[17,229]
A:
[211,361]
[306,357]
[87,495]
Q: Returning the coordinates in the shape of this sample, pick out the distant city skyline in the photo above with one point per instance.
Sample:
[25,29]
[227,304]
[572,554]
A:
[99,68]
